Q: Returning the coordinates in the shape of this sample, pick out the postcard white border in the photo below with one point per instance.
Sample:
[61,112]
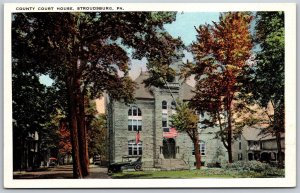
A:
[290,98]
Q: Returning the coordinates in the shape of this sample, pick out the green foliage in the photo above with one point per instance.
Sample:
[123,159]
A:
[97,132]
[221,53]
[269,71]
[32,108]
[265,82]
[254,167]
[203,173]
[84,54]
[185,119]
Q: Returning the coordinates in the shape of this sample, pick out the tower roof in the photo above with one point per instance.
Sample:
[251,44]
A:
[143,91]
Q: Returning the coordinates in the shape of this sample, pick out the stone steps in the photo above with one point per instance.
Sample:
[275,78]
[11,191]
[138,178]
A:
[172,164]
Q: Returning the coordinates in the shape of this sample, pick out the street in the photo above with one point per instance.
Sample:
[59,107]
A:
[61,172]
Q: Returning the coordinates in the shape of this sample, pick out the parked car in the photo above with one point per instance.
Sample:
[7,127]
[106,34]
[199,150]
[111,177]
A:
[52,162]
[128,162]
[96,159]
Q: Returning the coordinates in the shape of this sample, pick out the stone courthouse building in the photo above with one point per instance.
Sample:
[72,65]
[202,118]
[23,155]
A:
[159,145]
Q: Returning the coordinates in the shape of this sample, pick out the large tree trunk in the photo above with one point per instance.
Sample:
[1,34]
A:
[74,126]
[197,153]
[77,124]
[280,157]
[229,134]
[77,171]
[82,138]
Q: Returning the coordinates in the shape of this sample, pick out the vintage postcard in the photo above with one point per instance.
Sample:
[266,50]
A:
[149,95]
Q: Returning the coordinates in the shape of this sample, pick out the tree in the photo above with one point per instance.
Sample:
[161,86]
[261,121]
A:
[221,52]
[267,78]
[186,120]
[97,131]
[65,146]
[84,52]
[31,113]
[98,136]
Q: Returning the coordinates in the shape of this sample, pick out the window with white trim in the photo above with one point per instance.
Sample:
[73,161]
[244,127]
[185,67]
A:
[164,105]
[134,119]
[135,149]
[164,120]
[164,116]
[202,148]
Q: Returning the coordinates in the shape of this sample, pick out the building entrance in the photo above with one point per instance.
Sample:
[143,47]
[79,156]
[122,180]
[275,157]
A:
[169,148]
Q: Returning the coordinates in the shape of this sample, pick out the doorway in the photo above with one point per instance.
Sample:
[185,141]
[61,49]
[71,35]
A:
[169,148]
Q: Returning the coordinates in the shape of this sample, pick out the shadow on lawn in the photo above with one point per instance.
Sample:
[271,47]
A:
[44,176]
[131,175]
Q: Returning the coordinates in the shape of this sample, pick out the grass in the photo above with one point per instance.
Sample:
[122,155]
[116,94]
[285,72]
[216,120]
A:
[186,174]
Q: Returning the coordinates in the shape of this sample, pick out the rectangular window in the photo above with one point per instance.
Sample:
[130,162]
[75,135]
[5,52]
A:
[129,150]
[164,120]
[134,124]
[129,124]
[240,145]
[240,156]
[166,129]
[164,124]
[140,125]
[202,148]
[135,150]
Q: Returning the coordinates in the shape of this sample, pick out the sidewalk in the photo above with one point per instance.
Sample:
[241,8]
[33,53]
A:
[61,172]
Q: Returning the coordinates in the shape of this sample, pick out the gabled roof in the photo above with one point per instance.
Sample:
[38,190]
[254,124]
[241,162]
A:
[270,136]
[251,133]
[254,134]
[187,91]
[142,91]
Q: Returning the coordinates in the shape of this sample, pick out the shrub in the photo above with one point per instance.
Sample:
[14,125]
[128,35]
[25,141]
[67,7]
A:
[273,171]
[214,165]
[255,166]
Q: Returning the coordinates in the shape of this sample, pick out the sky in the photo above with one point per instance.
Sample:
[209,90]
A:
[183,27]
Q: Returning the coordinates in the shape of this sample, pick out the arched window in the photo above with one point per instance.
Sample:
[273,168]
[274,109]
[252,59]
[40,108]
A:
[135,149]
[134,119]
[164,105]
[173,105]
[134,111]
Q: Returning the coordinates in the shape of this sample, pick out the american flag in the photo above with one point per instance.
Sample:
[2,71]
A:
[137,137]
[171,134]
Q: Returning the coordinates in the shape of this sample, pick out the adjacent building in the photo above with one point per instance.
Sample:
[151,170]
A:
[253,144]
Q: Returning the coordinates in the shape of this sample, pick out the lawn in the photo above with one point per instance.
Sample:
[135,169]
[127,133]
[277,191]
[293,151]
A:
[202,173]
